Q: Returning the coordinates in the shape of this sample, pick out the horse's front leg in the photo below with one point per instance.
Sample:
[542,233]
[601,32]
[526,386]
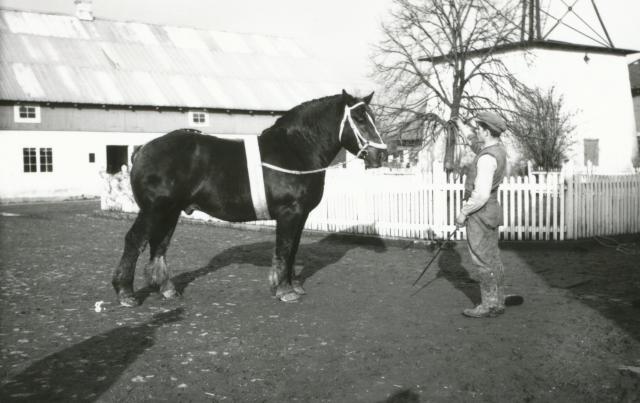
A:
[288,232]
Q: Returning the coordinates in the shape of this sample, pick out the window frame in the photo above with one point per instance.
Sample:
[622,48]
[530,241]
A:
[591,146]
[46,159]
[37,159]
[29,160]
[192,116]
[37,115]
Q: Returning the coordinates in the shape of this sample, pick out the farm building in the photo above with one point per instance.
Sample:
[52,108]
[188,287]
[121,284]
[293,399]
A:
[78,94]
[594,82]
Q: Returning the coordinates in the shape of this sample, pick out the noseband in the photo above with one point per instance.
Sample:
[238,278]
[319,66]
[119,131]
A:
[363,143]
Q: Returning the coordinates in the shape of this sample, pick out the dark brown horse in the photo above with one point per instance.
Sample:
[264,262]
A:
[186,170]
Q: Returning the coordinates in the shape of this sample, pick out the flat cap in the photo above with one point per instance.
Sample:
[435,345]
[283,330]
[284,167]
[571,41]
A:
[492,120]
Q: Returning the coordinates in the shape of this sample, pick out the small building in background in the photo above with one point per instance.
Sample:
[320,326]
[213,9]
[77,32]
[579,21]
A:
[594,83]
[79,94]
[592,79]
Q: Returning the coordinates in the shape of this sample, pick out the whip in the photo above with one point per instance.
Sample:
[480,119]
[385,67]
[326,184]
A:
[434,257]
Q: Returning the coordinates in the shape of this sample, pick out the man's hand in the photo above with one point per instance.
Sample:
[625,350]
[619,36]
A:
[466,132]
[461,219]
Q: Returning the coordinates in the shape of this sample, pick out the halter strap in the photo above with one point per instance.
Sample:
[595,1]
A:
[362,141]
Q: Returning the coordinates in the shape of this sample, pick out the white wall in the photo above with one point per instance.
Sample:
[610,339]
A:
[598,91]
[73,175]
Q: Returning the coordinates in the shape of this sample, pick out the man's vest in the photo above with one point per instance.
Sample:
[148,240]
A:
[500,154]
[491,213]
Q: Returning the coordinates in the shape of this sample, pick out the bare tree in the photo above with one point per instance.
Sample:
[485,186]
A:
[458,74]
[541,128]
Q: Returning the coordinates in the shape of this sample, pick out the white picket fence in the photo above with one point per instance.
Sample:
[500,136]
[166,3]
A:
[423,206]
[602,205]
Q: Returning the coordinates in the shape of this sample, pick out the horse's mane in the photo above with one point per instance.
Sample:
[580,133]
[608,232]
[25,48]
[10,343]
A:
[293,117]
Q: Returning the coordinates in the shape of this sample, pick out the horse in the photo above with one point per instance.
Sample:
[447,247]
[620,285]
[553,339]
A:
[186,170]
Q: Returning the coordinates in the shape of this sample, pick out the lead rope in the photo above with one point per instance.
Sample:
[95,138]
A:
[363,143]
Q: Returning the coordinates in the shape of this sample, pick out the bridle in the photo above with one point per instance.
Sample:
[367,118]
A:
[363,143]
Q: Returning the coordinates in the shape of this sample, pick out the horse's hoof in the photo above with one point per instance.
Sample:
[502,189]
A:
[297,287]
[287,294]
[170,294]
[129,302]
[290,297]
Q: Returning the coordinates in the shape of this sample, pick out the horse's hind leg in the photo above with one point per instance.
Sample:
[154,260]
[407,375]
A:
[134,243]
[156,271]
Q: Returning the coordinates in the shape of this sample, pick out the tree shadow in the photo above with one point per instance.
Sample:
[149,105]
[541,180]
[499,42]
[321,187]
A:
[451,268]
[86,370]
[313,257]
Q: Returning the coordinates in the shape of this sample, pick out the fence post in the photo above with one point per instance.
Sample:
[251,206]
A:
[561,205]
[440,202]
[527,203]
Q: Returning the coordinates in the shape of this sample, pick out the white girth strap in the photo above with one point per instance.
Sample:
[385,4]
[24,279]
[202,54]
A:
[256,180]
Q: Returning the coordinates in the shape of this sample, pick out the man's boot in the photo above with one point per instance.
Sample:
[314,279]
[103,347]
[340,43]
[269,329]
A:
[492,298]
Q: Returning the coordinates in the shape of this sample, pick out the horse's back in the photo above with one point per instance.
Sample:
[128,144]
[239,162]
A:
[178,167]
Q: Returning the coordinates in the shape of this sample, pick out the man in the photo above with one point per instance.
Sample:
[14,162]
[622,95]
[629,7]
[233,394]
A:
[481,212]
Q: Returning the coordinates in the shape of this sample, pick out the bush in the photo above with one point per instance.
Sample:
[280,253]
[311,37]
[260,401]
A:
[541,129]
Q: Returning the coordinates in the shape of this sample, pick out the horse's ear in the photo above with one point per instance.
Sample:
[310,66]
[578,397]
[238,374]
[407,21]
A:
[367,99]
[344,94]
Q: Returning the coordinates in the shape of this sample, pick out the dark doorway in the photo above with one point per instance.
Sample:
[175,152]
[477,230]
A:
[116,157]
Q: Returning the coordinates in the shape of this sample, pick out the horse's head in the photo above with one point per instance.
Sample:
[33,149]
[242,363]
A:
[358,132]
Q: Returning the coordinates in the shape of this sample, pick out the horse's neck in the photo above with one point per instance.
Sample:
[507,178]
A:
[316,146]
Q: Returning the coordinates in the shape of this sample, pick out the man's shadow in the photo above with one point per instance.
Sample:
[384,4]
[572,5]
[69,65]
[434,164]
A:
[313,257]
[83,372]
[451,268]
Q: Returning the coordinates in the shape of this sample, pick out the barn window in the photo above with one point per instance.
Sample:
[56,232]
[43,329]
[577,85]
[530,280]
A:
[46,160]
[591,151]
[29,160]
[198,118]
[26,113]
[92,157]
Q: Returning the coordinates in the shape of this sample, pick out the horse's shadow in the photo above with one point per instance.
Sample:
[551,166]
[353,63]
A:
[83,372]
[312,257]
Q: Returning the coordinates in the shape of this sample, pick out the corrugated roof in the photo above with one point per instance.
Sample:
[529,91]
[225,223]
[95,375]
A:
[59,58]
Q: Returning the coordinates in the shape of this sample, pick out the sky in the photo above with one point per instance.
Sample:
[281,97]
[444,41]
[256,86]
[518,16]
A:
[340,32]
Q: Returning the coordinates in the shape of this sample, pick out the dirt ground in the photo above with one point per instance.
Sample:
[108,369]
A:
[358,336]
